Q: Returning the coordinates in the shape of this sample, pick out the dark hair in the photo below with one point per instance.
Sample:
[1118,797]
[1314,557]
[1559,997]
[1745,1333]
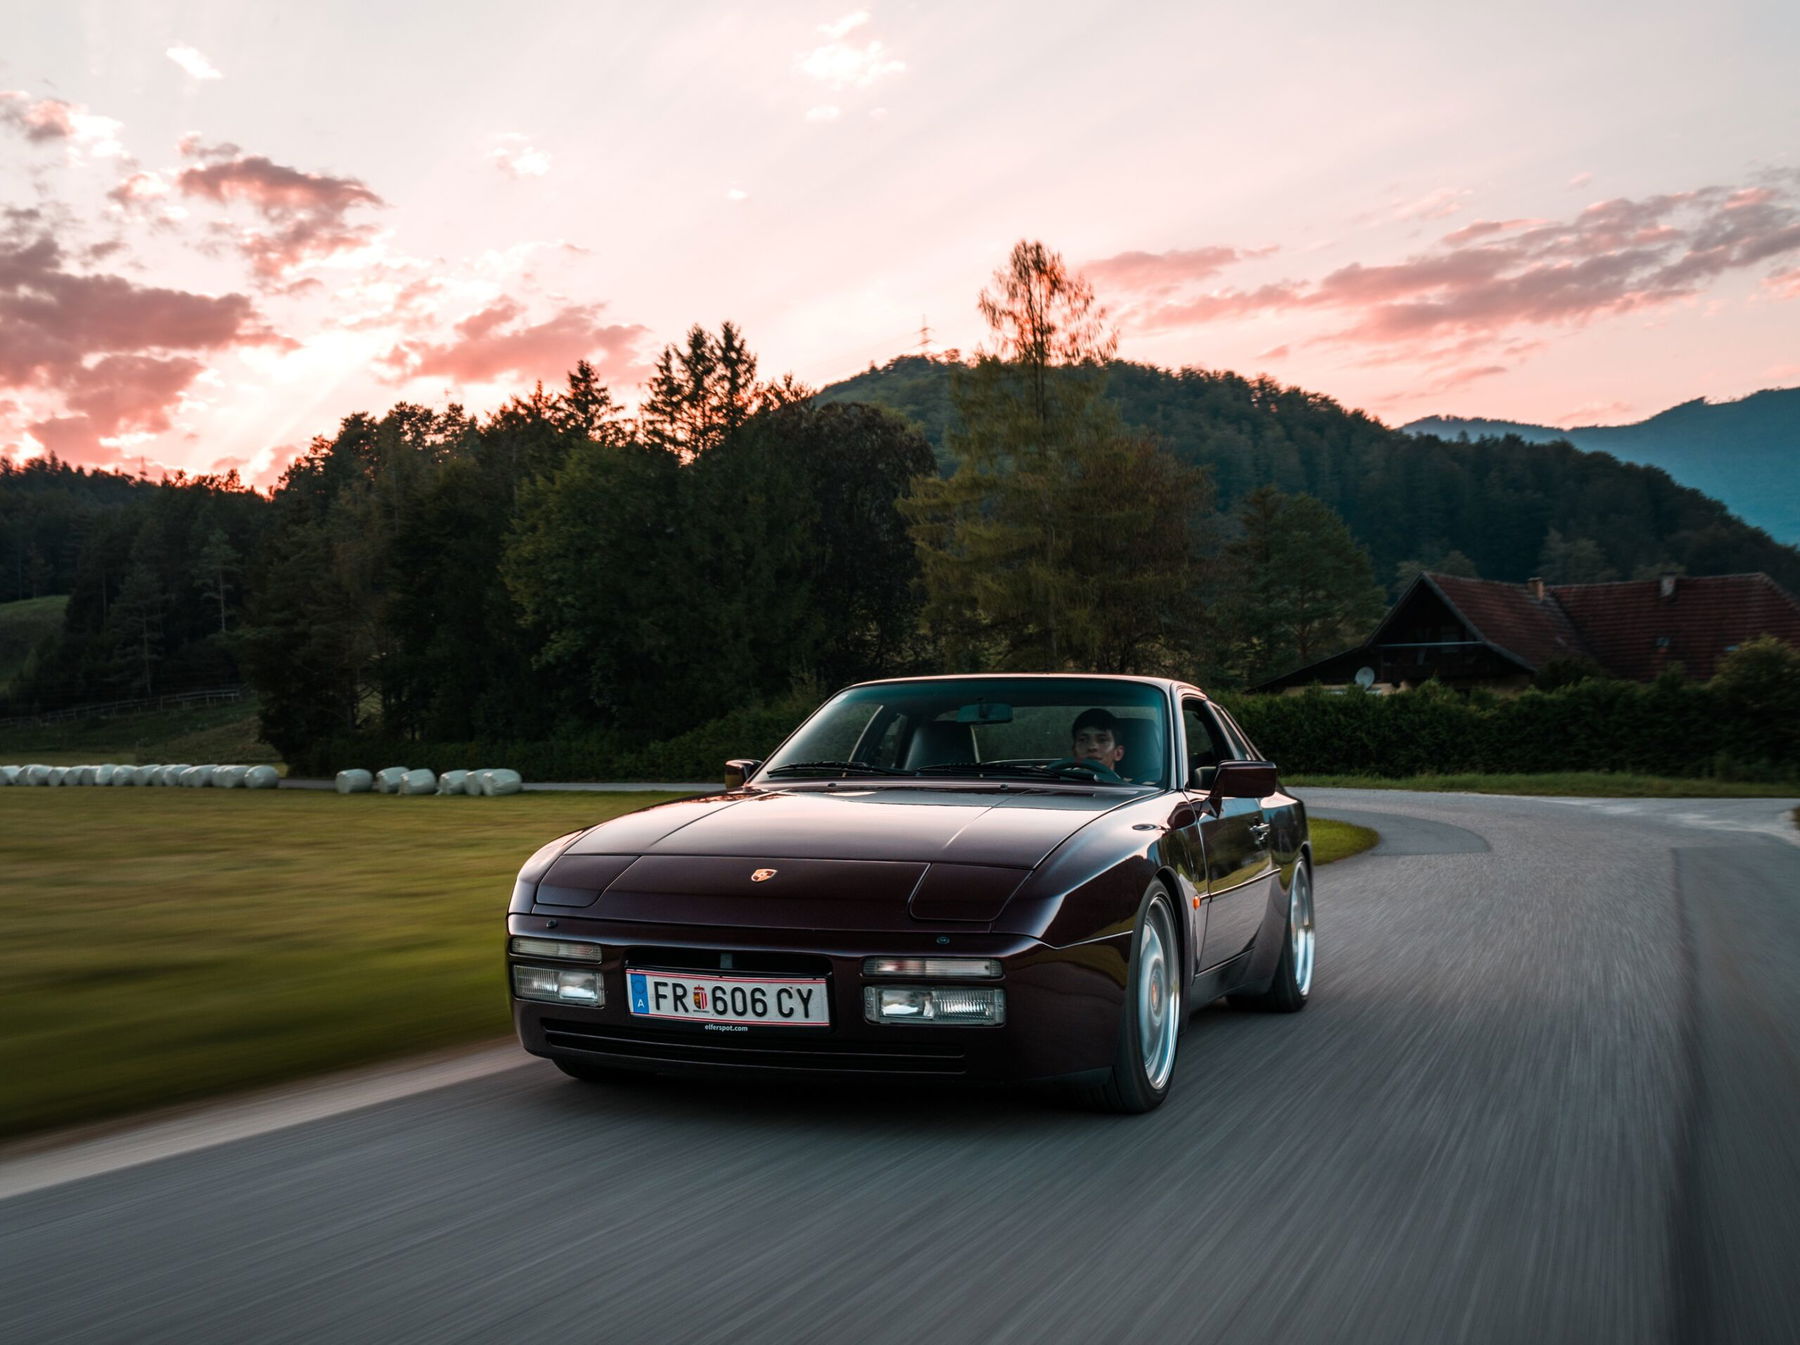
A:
[1096,719]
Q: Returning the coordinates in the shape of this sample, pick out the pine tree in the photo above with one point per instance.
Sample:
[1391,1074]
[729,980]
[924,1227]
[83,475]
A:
[1061,540]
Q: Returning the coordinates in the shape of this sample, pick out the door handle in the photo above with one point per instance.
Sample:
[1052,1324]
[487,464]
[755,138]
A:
[1259,831]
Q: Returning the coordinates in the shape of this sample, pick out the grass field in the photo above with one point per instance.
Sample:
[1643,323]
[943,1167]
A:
[1585,784]
[163,945]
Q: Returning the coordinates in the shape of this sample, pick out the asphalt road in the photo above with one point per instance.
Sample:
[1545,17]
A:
[1545,1092]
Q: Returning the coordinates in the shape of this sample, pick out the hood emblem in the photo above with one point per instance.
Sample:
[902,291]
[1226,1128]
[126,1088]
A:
[762,875]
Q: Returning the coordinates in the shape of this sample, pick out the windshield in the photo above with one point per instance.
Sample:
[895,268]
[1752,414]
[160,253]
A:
[1084,730]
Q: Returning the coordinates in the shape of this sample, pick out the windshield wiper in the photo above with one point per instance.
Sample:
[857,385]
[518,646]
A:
[862,767]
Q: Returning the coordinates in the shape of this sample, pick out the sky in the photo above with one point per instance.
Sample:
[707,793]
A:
[224,227]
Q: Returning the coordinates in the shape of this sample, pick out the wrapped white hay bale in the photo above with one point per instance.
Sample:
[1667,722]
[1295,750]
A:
[171,774]
[354,782]
[145,775]
[418,781]
[103,774]
[9,775]
[230,777]
[452,782]
[35,775]
[388,778]
[501,782]
[59,776]
[261,777]
[198,777]
[477,782]
[79,775]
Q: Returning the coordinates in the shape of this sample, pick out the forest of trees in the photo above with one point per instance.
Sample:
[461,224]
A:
[1501,508]
[557,568]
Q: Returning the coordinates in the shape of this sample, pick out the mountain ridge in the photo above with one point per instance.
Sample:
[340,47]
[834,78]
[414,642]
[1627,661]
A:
[1513,507]
[1744,453]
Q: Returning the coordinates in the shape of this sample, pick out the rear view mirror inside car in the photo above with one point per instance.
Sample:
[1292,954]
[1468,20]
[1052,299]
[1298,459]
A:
[985,712]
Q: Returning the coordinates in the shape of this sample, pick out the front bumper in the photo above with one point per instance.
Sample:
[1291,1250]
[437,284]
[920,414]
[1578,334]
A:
[1062,1006]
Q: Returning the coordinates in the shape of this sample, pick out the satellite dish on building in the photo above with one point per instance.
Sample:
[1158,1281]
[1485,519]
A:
[1365,678]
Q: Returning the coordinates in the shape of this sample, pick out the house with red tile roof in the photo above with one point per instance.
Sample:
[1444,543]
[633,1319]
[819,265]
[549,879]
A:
[1487,633]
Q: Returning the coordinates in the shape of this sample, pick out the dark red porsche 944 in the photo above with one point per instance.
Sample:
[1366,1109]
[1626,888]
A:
[1006,877]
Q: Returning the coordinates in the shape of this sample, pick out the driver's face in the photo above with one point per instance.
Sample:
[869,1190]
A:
[1095,744]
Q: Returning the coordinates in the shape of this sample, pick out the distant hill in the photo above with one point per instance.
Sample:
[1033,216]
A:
[1745,454]
[1408,497]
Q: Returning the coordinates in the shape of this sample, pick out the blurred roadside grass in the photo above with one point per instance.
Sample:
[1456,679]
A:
[1578,784]
[1338,840]
[166,945]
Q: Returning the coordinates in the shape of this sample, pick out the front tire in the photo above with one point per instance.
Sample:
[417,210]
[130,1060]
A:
[1151,1019]
[1288,991]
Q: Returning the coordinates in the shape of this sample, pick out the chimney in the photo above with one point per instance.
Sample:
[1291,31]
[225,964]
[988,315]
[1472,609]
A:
[1537,588]
[1665,586]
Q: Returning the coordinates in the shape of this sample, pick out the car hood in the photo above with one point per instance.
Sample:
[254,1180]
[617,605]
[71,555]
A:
[1011,828]
[872,859]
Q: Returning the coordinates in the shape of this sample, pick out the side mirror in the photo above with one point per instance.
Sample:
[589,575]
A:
[1244,780]
[1201,781]
[738,770]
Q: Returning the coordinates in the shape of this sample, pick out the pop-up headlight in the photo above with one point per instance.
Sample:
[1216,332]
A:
[935,967]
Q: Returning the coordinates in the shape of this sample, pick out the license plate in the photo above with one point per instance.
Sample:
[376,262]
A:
[697,997]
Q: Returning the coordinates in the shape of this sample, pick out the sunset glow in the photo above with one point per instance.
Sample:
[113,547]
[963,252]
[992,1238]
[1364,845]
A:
[225,229]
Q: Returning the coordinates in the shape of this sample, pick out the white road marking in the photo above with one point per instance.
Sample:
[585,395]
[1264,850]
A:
[30,1166]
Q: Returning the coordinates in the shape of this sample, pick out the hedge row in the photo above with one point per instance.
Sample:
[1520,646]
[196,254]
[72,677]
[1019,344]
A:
[1673,727]
[1743,725]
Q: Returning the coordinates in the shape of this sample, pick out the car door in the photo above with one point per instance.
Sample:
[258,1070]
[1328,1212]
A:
[1236,842]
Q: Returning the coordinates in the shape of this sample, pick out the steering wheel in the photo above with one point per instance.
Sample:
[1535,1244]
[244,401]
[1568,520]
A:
[1104,774]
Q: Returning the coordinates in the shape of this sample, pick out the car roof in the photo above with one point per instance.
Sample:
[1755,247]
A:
[1166,683]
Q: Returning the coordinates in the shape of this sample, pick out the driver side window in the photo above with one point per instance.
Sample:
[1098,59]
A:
[1202,749]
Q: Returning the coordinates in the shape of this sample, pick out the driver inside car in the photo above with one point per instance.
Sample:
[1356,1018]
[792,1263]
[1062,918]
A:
[1095,736]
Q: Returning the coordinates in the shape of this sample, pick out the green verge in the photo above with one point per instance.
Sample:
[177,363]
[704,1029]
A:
[1333,840]
[168,945]
[1584,784]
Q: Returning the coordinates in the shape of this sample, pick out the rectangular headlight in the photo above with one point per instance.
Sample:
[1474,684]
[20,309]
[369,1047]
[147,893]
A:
[576,952]
[930,966]
[558,985]
[944,1005]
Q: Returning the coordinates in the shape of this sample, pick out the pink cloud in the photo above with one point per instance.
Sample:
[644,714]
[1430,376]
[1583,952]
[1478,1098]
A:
[40,119]
[307,210]
[134,392]
[1477,283]
[107,351]
[1785,284]
[139,188]
[1149,272]
[1434,205]
[496,342]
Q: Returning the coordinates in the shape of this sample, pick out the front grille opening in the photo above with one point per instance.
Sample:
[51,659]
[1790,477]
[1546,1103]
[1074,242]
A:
[712,959]
[824,1055]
